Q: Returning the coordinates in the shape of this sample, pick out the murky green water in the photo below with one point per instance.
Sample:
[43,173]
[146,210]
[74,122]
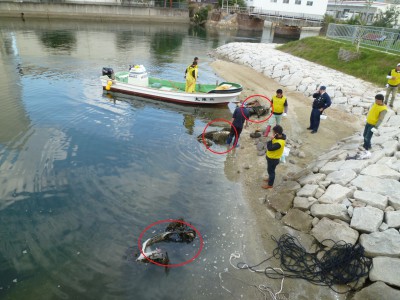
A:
[82,173]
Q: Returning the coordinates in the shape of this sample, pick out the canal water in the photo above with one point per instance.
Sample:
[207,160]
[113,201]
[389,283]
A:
[83,172]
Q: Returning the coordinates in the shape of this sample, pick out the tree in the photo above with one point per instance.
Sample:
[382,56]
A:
[201,16]
[388,18]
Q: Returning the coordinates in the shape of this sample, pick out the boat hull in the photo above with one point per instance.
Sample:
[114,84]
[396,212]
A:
[169,95]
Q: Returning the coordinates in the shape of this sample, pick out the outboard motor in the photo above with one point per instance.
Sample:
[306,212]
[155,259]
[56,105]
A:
[109,72]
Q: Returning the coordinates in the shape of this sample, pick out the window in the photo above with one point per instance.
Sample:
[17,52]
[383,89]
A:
[309,3]
[286,1]
[297,2]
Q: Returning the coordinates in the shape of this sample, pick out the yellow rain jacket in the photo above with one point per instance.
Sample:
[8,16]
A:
[276,154]
[394,82]
[191,77]
[374,112]
[278,104]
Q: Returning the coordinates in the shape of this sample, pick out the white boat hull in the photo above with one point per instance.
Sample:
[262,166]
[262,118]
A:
[169,95]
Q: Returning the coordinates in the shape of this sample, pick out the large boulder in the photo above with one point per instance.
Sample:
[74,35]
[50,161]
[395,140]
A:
[381,171]
[377,291]
[335,193]
[331,211]
[331,166]
[308,190]
[298,220]
[386,269]
[372,199]
[366,219]
[303,203]
[281,202]
[385,243]
[392,218]
[355,165]
[335,230]
[312,179]
[342,177]
[390,147]
[389,187]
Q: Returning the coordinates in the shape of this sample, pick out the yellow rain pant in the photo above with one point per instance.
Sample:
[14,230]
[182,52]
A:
[191,80]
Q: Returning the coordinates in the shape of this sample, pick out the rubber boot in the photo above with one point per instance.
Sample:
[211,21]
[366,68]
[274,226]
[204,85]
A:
[267,130]
[229,140]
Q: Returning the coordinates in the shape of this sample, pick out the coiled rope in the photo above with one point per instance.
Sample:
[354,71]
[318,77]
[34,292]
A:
[343,263]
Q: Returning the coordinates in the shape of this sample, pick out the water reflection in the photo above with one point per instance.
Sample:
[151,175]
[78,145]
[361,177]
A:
[82,173]
[59,40]
[197,31]
[124,40]
[190,112]
[165,45]
[14,121]
[188,122]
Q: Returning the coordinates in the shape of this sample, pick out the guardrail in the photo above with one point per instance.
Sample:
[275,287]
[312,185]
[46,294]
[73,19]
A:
[262,13]
[367,36]
[181,4]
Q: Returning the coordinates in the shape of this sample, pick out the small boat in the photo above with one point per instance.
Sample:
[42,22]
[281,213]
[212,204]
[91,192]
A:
[137,82]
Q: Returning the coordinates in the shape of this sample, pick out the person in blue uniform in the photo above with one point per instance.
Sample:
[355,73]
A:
[321,102]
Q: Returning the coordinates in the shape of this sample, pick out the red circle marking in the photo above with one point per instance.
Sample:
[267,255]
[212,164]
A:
[219,120]
[260,121]
[172,265]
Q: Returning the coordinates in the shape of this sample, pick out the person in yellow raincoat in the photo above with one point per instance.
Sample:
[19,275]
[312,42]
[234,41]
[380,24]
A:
[191,77]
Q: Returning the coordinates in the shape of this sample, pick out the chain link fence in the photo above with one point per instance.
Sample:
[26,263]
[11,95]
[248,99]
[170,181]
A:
[386,39]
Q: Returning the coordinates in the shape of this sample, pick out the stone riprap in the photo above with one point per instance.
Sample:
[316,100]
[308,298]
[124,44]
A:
[347,92]
[362,196]
[349,197]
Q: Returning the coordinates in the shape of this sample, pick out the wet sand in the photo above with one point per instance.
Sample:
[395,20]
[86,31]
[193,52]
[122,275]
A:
[244,166]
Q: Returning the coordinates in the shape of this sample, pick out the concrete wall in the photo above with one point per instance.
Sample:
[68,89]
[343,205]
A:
[249,22]
[93,11]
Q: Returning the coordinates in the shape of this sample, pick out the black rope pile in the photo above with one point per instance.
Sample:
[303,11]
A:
[343,263]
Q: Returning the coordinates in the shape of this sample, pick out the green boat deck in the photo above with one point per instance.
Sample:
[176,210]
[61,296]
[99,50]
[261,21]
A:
[170,85]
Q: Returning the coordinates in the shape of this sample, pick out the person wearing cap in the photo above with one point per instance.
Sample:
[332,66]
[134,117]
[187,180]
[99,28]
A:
[392,84]
[374,119]
[239,117]
[274,153]
[280,108]
[321,102]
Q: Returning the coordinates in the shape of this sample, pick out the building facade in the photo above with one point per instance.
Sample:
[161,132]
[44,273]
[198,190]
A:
[315,8]
[366,10]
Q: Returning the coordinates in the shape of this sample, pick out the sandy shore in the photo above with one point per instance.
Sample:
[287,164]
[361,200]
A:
[249,169]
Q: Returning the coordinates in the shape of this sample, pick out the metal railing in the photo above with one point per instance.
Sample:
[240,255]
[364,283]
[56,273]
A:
[287,15]
[181,4]
[386,39]
[259,12]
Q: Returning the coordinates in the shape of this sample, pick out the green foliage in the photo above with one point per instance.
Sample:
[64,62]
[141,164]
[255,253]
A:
[354,21]
[200,17]
[387,18]
[241,3]
[326,21]
[372,65]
